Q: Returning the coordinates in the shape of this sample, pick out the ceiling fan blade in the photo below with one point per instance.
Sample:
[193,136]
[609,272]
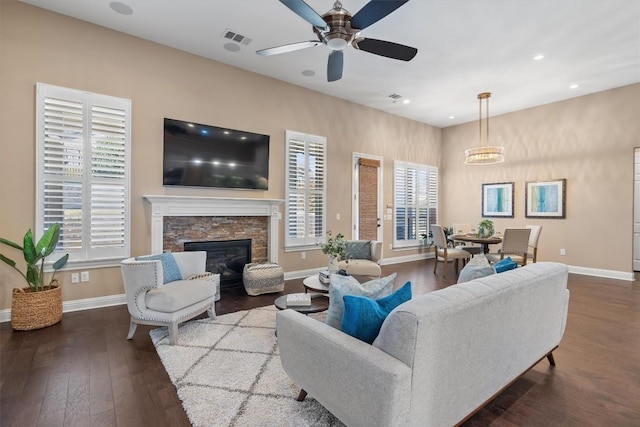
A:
[305,12]
[385,48]
[335,65]
[287,48]
[374,11]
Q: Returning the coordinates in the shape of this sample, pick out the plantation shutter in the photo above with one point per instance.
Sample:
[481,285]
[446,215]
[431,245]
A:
[416,202]
[83,151]
[306,192]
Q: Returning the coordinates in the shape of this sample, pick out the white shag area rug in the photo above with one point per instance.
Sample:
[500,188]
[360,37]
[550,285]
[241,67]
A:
[227,372]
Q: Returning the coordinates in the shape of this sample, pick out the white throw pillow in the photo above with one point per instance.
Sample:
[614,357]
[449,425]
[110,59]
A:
[476,268]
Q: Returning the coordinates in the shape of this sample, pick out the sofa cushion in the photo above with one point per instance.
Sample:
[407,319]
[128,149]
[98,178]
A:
[476,268]
[170,269]
[505,264]
[179,294]
[363,316]
[348,285]
[358,249]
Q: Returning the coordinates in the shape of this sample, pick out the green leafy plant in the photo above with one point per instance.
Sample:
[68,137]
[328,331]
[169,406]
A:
[335,246]
[448,231]
[485,228]
[34,256]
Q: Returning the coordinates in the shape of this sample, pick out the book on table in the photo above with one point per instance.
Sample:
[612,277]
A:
[298,299]
[323,276]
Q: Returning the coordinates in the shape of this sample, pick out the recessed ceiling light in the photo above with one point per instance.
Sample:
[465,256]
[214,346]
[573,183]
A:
[406,101]
[121,8]
[573,86]
[308,73]
[231,47]
[452,117]
[538,57]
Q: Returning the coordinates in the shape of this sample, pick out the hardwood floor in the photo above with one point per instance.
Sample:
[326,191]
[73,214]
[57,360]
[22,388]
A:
[84,372]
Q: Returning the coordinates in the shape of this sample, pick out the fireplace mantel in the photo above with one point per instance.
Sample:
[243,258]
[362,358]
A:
[162,206]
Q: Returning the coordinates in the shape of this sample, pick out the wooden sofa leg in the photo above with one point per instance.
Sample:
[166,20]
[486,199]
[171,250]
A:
[551,360]
[173,333]
[302,395]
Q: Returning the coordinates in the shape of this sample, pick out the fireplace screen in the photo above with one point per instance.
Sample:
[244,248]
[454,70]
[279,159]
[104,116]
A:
[225,257]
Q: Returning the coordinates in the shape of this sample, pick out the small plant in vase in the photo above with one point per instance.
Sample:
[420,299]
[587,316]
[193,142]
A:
[485,228]
[335,248]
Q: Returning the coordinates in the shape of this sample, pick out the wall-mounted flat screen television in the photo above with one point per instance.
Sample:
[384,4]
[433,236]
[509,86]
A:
[210,156]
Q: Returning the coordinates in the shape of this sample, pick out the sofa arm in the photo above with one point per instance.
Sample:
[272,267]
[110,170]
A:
[358,383]
[138,277]
[376,251]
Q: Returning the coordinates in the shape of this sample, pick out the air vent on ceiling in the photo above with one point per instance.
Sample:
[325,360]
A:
[236,37]
[395,96]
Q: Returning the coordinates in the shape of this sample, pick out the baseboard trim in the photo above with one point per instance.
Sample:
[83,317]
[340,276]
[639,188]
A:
[79,304]
[120,299]
[607,274]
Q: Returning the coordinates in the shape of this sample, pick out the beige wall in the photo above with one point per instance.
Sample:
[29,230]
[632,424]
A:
[40,46]
[589,141]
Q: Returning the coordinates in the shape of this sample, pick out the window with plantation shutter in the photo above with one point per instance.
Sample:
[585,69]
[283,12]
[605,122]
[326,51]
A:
[305,189]
[416,202]
[82,152]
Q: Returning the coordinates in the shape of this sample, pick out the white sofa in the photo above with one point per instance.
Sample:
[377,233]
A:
[439,357]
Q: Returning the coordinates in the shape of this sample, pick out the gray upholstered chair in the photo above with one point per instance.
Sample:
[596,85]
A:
[515,244]
[363,257]
[444,253]
[151,301]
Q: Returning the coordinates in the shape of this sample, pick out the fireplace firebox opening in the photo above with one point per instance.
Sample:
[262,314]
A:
[225,257]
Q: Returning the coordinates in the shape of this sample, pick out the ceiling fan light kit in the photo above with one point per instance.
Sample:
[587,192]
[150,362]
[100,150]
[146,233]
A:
[337,29]
[483,154]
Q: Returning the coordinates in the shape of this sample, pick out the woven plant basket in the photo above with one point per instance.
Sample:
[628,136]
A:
[35,310]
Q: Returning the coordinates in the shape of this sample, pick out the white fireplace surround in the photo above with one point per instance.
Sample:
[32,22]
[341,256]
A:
[162,206]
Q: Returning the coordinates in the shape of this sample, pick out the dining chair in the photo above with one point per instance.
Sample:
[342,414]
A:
[533,242]
[515,244]
[464,228]
[444,253]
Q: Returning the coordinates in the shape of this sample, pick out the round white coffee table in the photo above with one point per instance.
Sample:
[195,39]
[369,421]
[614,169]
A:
[313,284]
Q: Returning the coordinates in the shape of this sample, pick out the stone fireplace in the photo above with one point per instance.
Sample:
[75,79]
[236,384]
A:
[176,220]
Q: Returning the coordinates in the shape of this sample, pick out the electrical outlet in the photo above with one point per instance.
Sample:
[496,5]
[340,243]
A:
[338,216]
[390,245]
[84,276]
[303,255]
[563,252]
[75,277]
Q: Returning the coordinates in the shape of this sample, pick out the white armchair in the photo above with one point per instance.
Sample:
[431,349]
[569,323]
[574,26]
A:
[152,302]
[363,258]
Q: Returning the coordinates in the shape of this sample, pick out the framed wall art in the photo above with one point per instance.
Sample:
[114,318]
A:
[497,200]
[546,199]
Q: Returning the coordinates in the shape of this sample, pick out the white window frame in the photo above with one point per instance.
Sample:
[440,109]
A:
[86,128]
[308,239]
[425,200]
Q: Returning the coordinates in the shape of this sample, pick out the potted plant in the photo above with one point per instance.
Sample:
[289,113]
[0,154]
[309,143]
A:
[485,228]
[335,248]
[38,305]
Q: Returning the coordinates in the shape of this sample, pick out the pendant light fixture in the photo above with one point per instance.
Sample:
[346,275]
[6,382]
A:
[484,154]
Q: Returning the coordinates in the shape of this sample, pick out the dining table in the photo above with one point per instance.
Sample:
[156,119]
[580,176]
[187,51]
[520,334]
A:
[473,238]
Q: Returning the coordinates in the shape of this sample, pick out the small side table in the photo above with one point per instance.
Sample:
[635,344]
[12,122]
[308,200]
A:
[318,303]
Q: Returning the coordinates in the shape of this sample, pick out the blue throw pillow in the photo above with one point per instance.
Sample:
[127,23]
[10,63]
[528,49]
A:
[170,269]
[505,265]
[348,285]
[363,317]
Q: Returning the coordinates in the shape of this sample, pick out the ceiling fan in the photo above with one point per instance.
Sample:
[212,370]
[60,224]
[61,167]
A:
[338,29]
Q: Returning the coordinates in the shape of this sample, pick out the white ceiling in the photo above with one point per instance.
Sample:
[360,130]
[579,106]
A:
[464,47]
